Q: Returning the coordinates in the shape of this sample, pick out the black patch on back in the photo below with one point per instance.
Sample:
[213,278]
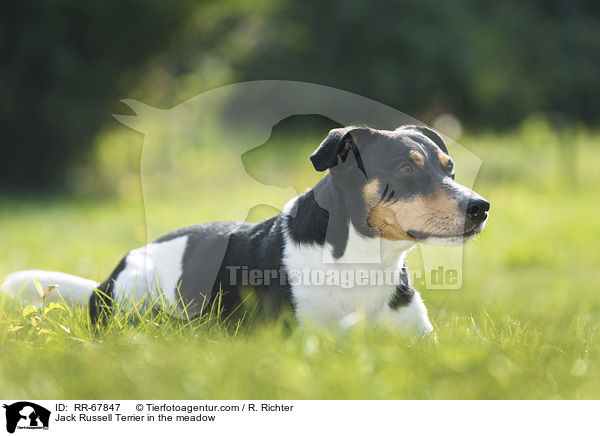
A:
[404,292]
[215,258]
[259,247]
[201,262]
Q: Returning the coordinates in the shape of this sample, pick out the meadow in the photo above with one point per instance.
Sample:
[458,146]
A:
[524,325]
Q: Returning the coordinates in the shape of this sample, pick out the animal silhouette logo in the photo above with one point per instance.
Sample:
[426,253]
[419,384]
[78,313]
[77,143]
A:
[176,168]
[26,415]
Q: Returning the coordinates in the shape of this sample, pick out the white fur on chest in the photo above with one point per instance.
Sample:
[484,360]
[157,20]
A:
[323,304]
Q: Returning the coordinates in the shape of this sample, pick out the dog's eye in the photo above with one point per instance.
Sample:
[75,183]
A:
[406,169]
[450,168]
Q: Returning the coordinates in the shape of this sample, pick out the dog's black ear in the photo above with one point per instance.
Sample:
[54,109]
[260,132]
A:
[337,144]
[431,134]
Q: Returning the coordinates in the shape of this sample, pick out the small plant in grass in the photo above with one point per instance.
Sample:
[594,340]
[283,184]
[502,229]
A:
[39,319]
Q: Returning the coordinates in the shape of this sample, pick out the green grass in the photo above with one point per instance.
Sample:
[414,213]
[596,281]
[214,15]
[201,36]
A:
[525,324]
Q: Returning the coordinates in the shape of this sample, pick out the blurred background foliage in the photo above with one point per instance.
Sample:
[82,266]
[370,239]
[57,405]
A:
[66,64]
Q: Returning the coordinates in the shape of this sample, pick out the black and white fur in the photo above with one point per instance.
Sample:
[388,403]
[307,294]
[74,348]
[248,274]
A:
[351,218]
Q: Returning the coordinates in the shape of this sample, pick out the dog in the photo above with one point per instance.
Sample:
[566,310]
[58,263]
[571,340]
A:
[384,192]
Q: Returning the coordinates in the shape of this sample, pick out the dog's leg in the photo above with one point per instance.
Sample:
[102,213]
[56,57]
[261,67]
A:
[411,317]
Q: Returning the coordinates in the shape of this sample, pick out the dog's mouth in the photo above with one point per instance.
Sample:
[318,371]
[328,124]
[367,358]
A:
[461,237]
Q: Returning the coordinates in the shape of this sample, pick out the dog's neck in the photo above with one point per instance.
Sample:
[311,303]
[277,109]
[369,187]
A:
[319,217]
[369,252]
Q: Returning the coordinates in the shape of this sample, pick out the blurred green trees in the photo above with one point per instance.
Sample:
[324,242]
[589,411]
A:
[65,64]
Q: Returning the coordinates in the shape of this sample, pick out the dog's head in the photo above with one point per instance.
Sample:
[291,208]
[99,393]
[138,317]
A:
[399,185]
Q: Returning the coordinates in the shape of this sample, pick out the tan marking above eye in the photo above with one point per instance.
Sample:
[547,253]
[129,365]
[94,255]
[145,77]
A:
[417,157]
[444,159]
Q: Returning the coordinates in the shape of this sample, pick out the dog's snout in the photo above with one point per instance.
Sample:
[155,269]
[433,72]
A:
[477,209]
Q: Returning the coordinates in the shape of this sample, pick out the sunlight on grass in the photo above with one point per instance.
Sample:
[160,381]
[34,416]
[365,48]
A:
[524,325]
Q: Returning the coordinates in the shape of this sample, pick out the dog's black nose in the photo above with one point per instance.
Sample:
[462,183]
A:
[477,209]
